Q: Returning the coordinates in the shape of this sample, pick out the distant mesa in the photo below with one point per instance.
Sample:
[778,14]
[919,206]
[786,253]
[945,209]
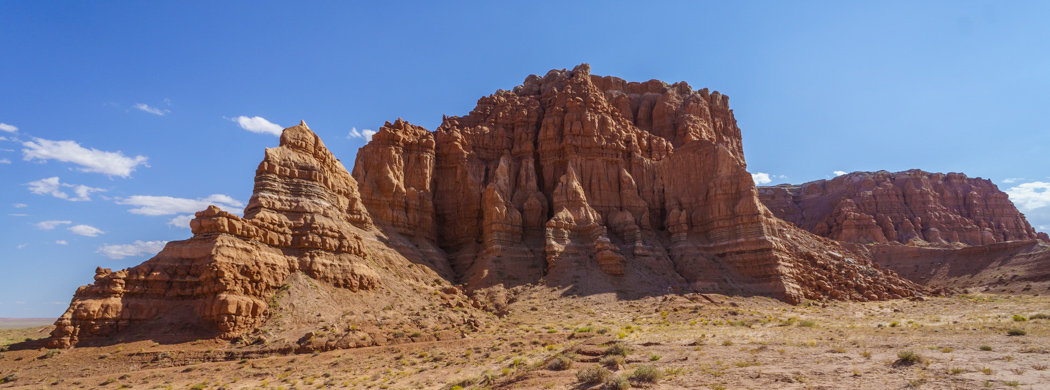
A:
[933,228]
[570,179]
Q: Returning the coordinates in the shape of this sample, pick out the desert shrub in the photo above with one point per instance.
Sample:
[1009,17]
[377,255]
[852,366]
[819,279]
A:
[584,329]
[559,363]
[616,383]
[807,324]
[612,362]
[907,358]
[646,374]
[1016,332]
[618,349]
[986,348]
[1040,316]
[593,375]
[1020,318]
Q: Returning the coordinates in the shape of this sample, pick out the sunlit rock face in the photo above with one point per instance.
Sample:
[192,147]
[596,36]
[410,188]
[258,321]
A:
[603,184]
[906,207]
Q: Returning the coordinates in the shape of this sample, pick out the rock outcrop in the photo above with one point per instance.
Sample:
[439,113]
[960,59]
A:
[305,217]
[571,179]
[602,184]
[906,207]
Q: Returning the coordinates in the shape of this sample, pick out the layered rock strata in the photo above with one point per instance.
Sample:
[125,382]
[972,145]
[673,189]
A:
[305,216]
[906,207]
[594,181]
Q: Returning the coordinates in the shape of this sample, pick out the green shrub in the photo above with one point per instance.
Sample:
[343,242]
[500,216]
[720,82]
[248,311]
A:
[986,348]
[1040,316]
[618,349]
[617,383]
[807,324]
[593,375]
[1016,332]
[559,363]
[646,374]
[612,362]
[907,358]
[1020,318]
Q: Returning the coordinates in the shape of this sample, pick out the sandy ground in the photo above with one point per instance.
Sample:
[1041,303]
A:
[706,342]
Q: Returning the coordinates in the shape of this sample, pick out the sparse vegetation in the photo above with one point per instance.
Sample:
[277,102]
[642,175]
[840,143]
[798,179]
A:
[559,363]
[646,373]
[1016,332]
[593,375]
[907,358]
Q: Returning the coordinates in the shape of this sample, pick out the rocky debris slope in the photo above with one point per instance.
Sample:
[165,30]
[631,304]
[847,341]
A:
[905,207]
[305,217]
[601,184]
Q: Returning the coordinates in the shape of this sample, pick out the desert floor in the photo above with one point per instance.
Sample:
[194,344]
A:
[694,341]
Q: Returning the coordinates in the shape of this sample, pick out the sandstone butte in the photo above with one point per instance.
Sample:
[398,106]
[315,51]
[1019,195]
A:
[932,228]
[570,180]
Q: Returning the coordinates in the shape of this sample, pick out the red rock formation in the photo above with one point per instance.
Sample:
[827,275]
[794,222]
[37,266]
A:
[878,207]
[578,180]
[572,173]
[305,216]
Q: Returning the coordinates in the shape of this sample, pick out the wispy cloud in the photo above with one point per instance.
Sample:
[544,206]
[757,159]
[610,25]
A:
[4,161]
[1030,196]
[86,230]
[52,186]
[151,110]
[761,178]
[91,160]
[167,205]
[1012,180]
[49,225]
[181,221]
[8,128]
[19,205]
[258,124]
[61,242]
[840,173]
[365,134]
[137,248]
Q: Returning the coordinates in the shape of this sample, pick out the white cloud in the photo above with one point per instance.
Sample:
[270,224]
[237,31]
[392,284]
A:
[61,242]
[20,205]
[1030,196]
[92,160]
[182,221]
[20,246]
[3,138]
[840,173]
[365,134]
[761,178]
[86,230]
[49,225]
[4,161]
[1012,179]
[52,186]
[137,248]
[8,128]
[19,215]
[152,110]
[258,124]
[166,205]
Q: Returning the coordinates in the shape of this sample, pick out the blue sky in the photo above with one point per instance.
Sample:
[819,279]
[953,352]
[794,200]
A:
[119,119]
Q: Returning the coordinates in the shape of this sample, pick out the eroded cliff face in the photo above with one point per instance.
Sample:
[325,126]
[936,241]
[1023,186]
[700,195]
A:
[906,207]
[602,184]
[305,217]
[575,180]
